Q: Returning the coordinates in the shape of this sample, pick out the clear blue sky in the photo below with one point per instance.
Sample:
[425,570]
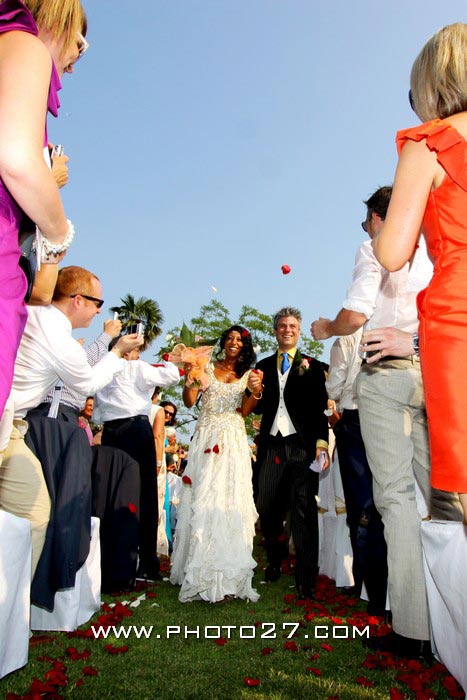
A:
[212,141]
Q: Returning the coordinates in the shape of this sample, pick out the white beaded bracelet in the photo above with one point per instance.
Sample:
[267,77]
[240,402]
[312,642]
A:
[57,248]
[46,251]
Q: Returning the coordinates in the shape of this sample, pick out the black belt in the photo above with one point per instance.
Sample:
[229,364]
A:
[65,408]
[119,421]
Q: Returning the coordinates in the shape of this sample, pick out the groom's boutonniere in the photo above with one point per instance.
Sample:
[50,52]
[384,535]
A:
[304,366]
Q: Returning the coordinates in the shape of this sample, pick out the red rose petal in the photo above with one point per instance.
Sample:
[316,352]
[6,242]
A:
[252,681]
[90,671]
[215,449]
[181,372]
[395,694]
[326,647]
[277,460]
[316,671]
[132,508]
[79,683]
[116,650]
[453,688]
[285,269]
[266,651]
[165,356]
[220,642]
[186,480]
[291,646]
[365,682]
[207,451]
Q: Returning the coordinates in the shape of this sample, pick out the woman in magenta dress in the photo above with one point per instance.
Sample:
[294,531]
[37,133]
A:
[39,41]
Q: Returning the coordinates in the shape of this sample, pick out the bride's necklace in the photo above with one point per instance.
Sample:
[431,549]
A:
[226,370]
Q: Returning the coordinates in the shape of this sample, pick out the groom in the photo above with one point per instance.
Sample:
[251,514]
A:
[294,430]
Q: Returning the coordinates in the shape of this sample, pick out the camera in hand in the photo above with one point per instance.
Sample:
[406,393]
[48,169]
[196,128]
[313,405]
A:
[134,328]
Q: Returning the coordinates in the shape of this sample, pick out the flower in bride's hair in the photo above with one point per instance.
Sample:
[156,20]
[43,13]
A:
[245,333]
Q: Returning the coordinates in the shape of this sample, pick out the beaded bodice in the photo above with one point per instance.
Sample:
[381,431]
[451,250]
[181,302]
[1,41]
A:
[222,400]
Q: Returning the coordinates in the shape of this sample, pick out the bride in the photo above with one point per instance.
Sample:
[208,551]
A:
[212,555]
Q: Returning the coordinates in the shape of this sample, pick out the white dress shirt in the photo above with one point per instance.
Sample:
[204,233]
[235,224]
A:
[387,299]
[48,353]
[344,365]
[130,392]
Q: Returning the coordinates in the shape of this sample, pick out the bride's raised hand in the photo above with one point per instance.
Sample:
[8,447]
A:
[255,381]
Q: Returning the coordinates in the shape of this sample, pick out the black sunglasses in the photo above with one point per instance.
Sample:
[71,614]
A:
[98,302]
[168,413]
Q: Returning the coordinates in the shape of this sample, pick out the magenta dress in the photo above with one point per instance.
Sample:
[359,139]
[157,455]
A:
[13,314]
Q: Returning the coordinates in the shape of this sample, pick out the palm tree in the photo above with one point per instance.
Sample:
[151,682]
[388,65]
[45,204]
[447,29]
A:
[142,310]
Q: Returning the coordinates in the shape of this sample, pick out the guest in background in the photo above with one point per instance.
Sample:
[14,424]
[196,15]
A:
[123,406]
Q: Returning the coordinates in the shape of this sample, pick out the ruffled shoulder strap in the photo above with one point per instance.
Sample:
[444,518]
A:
[449,145]
[14,16]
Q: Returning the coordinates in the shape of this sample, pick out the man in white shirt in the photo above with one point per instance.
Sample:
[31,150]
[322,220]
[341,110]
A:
[48,353]
[123,406]
[393,422]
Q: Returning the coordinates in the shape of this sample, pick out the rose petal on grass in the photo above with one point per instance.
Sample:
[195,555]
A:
[395,694]
[315,671]
[110,649]
[266,651]
[326,647]
[90,671]
[221,641]
[252,681]
[453,688]
[365,682]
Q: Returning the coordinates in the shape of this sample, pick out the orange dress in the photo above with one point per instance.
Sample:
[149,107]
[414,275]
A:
[442,307]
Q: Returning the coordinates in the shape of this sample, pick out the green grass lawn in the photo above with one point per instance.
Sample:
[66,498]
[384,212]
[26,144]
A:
[289,646]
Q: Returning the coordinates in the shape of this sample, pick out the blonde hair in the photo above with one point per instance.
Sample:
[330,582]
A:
[438,80]
[63,18]
[73,280]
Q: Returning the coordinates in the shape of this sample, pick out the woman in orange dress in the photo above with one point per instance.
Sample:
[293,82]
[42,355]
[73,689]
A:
[430,192]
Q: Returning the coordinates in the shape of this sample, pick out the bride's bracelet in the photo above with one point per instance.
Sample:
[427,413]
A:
[48,248]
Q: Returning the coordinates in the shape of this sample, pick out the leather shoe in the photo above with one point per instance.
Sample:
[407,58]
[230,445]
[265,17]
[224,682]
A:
[148,575]
[403,647]
[304,592]
[272,573]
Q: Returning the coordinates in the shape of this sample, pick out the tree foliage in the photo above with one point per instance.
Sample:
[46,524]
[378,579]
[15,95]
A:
[142,310]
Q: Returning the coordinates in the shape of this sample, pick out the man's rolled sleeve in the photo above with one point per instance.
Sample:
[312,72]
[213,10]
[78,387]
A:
[366,282]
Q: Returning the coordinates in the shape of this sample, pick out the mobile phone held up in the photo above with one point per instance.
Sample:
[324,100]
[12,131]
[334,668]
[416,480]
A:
[134,328]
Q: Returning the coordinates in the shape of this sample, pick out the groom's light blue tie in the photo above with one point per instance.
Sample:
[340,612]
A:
[285,364]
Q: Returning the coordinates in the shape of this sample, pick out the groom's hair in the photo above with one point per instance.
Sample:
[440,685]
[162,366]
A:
[287,311]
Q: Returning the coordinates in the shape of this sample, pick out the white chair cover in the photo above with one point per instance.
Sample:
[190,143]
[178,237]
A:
[335,551]
[445,561]
[15,584]
[75,606]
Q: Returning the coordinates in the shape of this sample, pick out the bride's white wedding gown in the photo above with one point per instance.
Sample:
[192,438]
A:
[212,554]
